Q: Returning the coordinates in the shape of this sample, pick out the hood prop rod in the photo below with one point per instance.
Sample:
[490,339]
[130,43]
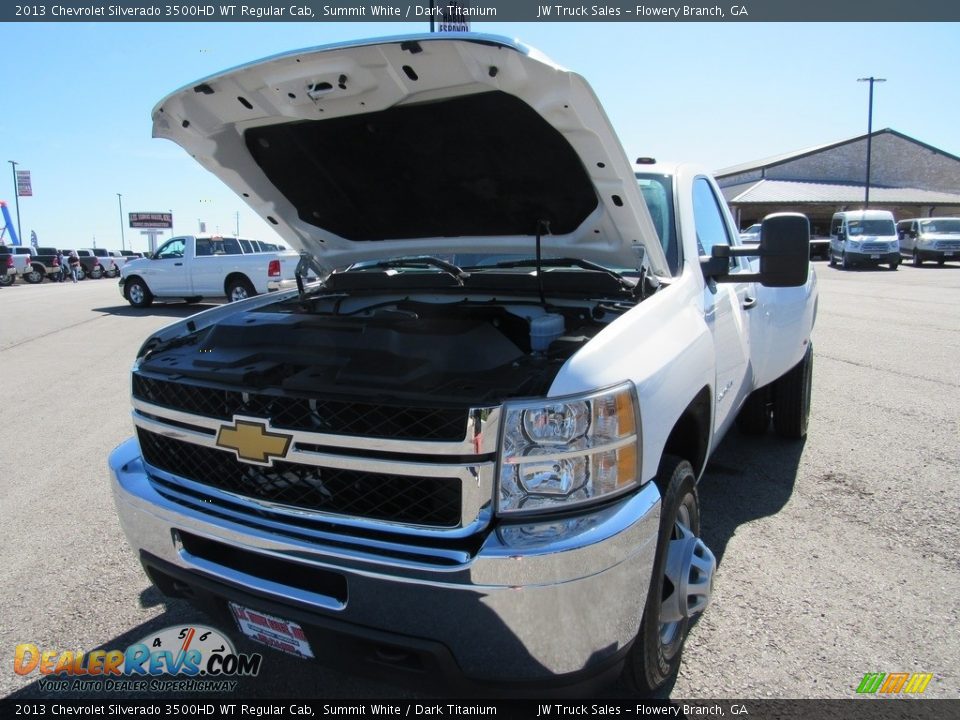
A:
[543,226]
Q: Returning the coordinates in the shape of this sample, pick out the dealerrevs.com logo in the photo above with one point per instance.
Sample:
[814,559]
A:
[175,659]
[894,683]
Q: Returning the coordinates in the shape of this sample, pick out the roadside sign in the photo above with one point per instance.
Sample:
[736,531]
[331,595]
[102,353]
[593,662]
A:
[23,184]
[161,220]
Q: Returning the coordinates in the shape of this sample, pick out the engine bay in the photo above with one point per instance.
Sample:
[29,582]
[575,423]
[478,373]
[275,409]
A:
[414,348]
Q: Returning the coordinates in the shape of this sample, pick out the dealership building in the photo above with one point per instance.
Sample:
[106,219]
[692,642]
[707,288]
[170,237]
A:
[907,177]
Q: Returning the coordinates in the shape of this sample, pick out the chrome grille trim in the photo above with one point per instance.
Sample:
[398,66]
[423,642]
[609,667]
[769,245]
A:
[475,471]
[480,439]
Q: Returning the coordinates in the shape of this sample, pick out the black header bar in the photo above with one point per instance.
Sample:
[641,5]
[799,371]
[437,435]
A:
[480,11]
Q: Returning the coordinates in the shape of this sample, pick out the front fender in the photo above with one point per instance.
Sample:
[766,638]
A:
[664,346]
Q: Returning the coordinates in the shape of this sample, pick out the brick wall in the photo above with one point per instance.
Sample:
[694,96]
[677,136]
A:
[895,162]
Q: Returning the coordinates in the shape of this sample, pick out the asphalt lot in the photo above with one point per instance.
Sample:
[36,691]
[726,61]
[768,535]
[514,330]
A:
[837,557]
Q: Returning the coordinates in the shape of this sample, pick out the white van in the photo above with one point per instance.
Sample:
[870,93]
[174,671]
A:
[930,239]
[864,237]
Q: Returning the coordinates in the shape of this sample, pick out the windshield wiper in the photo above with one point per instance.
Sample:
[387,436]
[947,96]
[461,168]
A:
[565,262]
[419,261]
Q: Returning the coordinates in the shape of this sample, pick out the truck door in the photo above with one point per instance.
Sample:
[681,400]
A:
[167,273]
[726,307]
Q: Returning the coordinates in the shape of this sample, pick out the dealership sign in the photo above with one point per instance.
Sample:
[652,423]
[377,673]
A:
[23,184]
[161,220]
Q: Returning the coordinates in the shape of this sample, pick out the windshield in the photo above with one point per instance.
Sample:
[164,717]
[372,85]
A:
[871,227]
[657,190]
[942,225]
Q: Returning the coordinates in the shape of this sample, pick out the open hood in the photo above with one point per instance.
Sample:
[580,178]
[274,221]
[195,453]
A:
[425,144]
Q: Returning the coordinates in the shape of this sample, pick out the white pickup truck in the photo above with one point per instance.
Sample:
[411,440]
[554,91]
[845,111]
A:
[193,267]
[14,260]
[472,450]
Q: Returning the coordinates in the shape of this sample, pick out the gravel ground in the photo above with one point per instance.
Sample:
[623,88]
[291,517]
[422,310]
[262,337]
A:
[837,556]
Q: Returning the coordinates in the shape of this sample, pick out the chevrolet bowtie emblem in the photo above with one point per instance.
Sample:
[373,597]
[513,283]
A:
[252,442]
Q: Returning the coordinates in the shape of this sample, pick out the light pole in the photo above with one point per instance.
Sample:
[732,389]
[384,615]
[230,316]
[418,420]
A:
[871,80]
[16,198]
[123,242]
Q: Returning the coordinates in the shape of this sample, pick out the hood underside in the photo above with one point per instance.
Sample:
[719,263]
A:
[419,145]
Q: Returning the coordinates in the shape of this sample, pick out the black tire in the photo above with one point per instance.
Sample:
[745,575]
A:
[96,274]
[941,262]
[915,259]
[655,655]
[240,289]
[754,416]
[843,261]
[81,273]
[894,265]
[137,293]
[791,399]
[34,276]
[832,258]
[7,280]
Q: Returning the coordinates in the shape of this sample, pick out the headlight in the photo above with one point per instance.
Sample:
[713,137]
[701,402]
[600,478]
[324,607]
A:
[560,453]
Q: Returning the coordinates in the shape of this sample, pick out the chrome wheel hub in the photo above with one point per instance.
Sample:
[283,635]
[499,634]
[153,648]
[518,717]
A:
[689,568]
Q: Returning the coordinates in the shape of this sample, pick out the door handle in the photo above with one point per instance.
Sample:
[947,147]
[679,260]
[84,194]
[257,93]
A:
[749,302]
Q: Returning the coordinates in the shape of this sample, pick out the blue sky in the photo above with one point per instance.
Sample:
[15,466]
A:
[77,99]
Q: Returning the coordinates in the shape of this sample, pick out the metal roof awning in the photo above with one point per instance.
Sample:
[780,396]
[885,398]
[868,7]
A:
[796,192]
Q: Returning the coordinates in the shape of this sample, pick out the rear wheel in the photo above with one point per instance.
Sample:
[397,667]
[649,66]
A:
[832,258]
[96,273]
[915,259]
[138,294]
[7,280]
[895,264]
[791,399]
[681,584]
[240,289]
[34,276]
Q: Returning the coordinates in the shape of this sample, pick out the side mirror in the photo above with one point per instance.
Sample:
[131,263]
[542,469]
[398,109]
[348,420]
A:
[784,252]
[841,235]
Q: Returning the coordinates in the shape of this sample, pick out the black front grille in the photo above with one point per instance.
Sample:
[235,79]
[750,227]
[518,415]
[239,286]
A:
[325,416]
[379,496]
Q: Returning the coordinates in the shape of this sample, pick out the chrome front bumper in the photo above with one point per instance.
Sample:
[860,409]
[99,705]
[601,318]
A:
[536,600]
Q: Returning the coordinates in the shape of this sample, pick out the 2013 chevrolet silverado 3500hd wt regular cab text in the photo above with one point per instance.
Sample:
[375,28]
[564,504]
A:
[472,448]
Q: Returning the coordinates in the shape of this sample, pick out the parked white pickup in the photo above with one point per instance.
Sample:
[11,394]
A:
[193,267]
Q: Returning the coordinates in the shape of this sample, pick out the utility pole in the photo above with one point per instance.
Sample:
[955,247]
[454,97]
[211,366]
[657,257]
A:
[871,80]
[123,242]
[16,198]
